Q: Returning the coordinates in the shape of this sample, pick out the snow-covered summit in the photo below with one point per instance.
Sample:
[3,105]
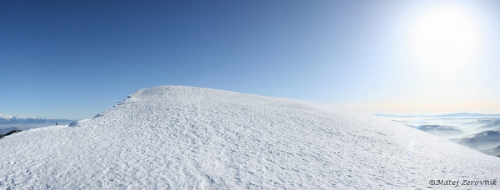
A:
[195,138]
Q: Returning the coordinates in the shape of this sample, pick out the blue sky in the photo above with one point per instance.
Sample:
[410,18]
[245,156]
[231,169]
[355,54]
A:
[74,59]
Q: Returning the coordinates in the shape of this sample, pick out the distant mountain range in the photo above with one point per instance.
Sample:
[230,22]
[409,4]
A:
[493,151]
[468,115]
[481,141]
[7,119]
[196,138]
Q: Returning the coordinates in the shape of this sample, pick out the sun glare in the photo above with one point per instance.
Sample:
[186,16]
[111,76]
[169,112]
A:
[445,40]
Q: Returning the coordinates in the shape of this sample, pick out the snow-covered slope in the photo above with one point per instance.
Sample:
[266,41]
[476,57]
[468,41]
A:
[442,130]
[195,138]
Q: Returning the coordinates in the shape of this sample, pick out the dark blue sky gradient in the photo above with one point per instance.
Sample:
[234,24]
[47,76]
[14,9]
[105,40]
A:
[74,59]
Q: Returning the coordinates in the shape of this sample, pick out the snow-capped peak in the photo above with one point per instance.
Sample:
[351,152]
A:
[23,117]
[5,116]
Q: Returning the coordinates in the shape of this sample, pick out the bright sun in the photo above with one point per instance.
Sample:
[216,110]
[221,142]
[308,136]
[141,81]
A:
[445,40]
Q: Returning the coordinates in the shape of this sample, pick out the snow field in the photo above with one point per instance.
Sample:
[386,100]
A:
[173,137]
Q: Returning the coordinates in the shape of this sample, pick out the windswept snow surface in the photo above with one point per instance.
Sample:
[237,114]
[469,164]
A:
[195,138]
[4,116]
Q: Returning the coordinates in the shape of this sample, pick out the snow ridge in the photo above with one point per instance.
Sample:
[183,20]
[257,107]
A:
[194,138]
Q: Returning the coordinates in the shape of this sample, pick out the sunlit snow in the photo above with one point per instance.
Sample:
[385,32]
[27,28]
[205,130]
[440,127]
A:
[194,138]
